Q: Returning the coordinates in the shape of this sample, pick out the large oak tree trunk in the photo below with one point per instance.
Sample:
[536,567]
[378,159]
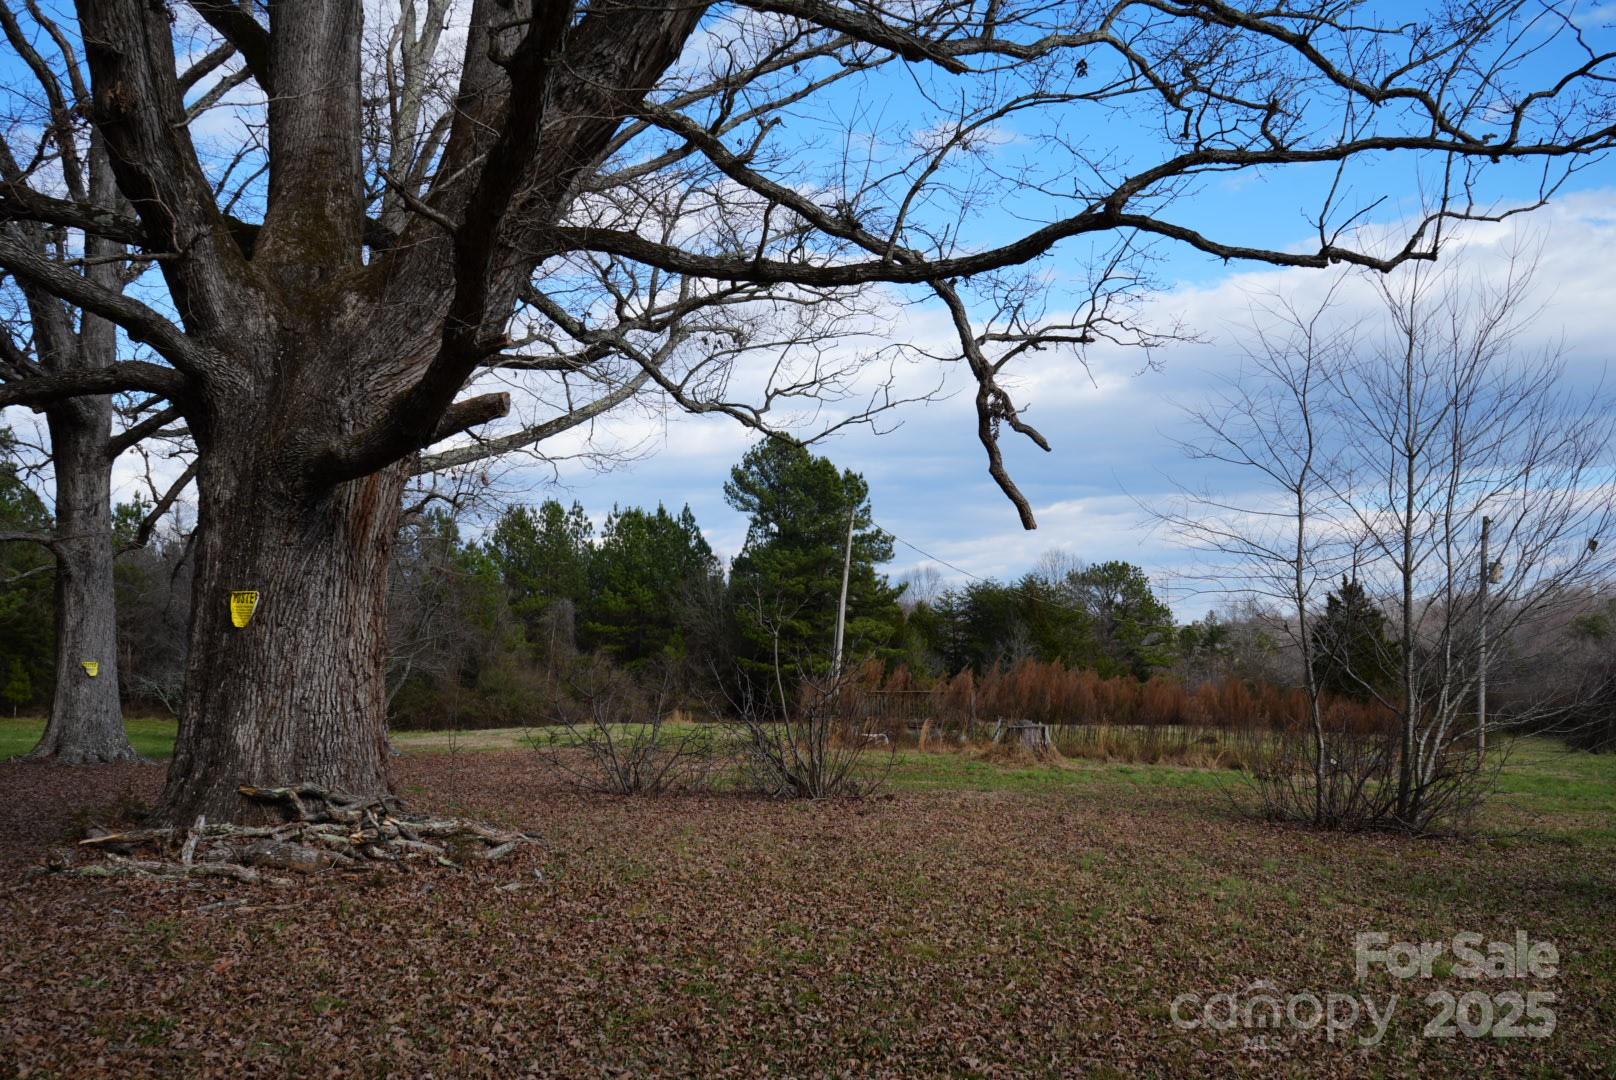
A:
[298,694]
[86,721]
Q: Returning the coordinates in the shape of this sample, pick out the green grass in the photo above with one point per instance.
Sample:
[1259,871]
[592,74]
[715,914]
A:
[916,770]
[1551,791]
[150,736]
[154,738]
[514,738]
[1545,773]
[1543,788]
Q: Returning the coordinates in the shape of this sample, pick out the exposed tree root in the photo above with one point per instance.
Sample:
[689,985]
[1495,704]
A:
[325,830]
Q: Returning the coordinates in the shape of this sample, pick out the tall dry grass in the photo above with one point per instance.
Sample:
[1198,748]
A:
[1163,718]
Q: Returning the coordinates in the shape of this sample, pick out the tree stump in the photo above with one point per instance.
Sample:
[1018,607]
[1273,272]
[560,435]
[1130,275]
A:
[1034,737]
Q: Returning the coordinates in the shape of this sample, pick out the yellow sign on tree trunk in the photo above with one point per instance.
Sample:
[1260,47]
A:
[243,602]
[92,668]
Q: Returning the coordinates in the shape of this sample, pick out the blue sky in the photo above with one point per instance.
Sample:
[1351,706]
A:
[1115,438]
[1115,425]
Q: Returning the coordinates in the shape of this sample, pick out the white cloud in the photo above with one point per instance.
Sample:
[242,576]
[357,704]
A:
[1112,437]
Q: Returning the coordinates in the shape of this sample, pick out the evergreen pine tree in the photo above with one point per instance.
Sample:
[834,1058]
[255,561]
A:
[786,582]
[1353,657]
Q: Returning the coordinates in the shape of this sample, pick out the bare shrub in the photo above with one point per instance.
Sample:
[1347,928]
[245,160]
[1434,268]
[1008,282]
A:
[615,735]
[1361,784]
[814,747]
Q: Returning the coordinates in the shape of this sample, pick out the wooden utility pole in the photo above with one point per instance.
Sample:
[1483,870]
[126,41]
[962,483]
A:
[1481,643]
[841,608]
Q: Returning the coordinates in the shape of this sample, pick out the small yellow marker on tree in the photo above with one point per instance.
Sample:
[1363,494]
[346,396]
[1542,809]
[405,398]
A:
[92,668]
[243,602]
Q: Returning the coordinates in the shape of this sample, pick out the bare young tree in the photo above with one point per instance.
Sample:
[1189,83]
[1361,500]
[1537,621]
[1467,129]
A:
[1456,437]
[797,730]
[1391,464]
[809,748]
[614,735]
[1271,426]
[616,202]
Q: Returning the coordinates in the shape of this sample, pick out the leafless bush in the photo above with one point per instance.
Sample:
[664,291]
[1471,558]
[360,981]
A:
[1360,784]
[614,735]
[810,748]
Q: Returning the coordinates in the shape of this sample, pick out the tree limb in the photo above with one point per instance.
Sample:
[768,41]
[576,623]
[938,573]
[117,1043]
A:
[142,323]
[471,412]
[532,434]
[19,201]
[235,23]
[136,432]
[148,524]
[127,375]
[12,536]
[862,27]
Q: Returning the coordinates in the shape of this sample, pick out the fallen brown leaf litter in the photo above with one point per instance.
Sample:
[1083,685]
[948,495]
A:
[936,933]
[324,830]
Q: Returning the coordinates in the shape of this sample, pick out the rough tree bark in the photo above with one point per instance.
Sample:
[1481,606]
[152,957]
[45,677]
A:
[300,691]
[86,717]
[318,375]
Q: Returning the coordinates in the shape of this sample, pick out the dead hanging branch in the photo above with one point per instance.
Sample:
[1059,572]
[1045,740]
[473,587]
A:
[324,830]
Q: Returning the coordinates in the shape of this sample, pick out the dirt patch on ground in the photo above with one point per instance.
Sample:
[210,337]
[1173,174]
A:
[927,933]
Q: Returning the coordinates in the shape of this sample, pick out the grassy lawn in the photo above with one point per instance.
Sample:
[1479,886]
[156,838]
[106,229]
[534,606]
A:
[150,736]
[154,737]
[1543,788]
[512,738]
[961,770]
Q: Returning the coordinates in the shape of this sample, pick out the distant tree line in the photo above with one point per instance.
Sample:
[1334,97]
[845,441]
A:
[1104,617]
[485,631]
[490,629]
